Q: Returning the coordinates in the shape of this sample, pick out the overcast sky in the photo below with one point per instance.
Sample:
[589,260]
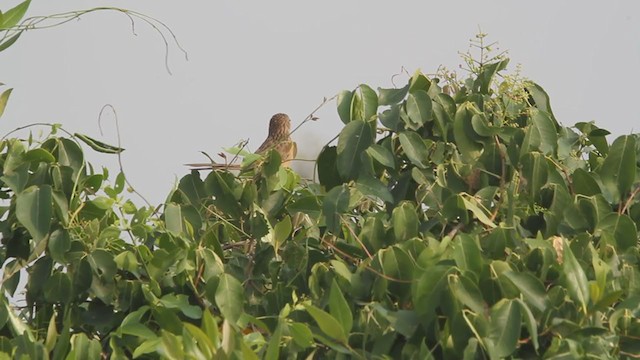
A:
[251,59]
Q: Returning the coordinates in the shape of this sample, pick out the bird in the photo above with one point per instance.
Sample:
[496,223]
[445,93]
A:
[278,139]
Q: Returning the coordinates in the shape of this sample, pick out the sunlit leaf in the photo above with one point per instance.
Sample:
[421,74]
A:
[11,17]
[4,98]
[327,323]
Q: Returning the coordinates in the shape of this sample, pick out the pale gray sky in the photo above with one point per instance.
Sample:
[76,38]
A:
[251,59]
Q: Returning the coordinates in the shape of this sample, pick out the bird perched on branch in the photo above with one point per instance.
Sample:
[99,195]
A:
[279,139]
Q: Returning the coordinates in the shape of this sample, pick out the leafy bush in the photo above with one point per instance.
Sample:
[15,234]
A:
[457,221]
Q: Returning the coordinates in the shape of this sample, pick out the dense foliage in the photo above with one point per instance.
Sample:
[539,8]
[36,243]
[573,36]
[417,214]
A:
[465,223]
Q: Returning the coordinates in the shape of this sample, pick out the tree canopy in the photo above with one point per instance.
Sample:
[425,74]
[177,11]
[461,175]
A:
[452,219]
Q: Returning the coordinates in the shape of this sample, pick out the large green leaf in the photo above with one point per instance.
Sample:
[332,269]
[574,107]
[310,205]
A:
[467,253]
[466,291]
[584,183]
[618,171]
[539,96]
[415,148]
[57,289]
[535,171]
[339,308]
[221,186]
[327,323]
[336,202]
[392,96]
[33,210]
[505,326]
[405,221]
[230,297]
[574,277]
[418,109]
[466,139]
[371,186]
[382,155]
[428,291]
[12,16]
[355,138]
[364,104]
[531,288]
[344,105]
[622,228]
[328,175]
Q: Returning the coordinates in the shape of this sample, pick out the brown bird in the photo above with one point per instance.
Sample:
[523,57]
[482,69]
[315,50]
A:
[279,139]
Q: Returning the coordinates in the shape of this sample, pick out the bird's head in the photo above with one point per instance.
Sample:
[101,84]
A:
[279,126]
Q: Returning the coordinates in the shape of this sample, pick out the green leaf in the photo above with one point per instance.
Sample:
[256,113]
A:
[327,167]
[57,289]
[530,287]
[415,148]
[544,125]
[480,212]
[535,171]
[364,104]
[405,221]
[33,210]
[99,146]
[219,185]
[622,228]
[418,109]
[382,155]
[391,118]
[12,16]
[355,138]
[371,186]
[504,327]
[467,292]
[485,78]
[70,154]
[301,334]
[7,43]
[529,322]
[327,323]
[173,218]
[210,327]
[404,322]
[83,348]
[463,133]
[4,98]
[428,291]
[618,172]
[230,297]
[339,308]
[39,155]
[204,342]
[392,96]
[181,302]
[539,96]
[282,230]
[273,349]
[467,253]
[336,202]
[59,243]
[575,280]
[344,105]
[584,183]
[419,82]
